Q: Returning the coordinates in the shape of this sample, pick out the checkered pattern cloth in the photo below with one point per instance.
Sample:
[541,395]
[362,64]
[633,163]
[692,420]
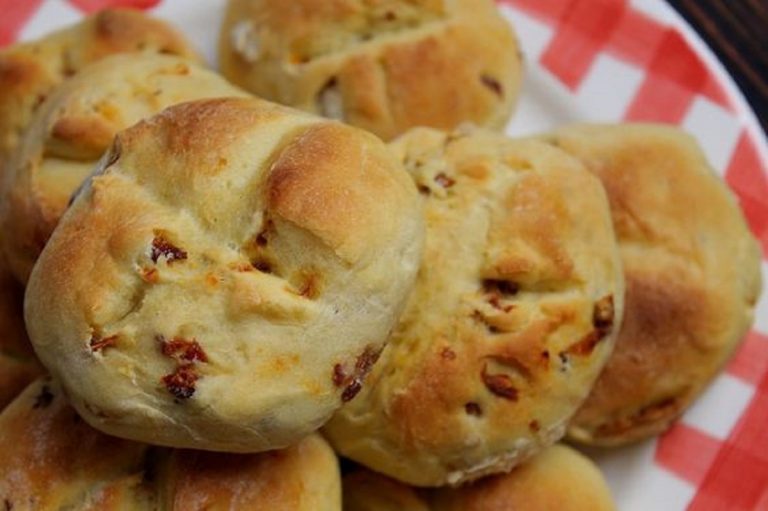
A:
[606,60]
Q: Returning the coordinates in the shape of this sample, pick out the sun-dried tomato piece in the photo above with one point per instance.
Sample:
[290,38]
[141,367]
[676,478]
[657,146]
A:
[161,247]
[181,383]
[500,385]
[182,349]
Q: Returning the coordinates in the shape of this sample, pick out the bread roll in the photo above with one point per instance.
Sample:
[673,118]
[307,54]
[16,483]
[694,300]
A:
[54,461]
[692,270]
[557,479]
[382,66]
[74,126]
[228,278]
[513,316]
[303,477]
[30,70]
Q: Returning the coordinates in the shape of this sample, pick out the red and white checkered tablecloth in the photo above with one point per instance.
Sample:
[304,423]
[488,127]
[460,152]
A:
[606,60]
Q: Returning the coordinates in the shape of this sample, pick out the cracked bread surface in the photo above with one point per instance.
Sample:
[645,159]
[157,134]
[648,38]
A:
[515,309]
[228,277]
[382,65]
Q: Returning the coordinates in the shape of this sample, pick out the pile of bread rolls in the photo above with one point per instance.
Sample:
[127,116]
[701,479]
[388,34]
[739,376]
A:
[226,284]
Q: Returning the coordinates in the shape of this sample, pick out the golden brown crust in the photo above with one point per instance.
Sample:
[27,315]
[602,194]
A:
[56,461]
[52,459]
[692,272]
[557,479]
[188,273]
[29,71]
[304,477]
[72,129]
[511,320]
[382,66]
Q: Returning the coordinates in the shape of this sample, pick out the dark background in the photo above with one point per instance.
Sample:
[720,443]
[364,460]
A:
[737,30]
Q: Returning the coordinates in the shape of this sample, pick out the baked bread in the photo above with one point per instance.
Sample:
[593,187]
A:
[18,364]
[228,277]
[73,127]
[364,490]
[513,315]
[303,477]
[559,478]
[29,71]
[54,461]
[384,66]
[692,270]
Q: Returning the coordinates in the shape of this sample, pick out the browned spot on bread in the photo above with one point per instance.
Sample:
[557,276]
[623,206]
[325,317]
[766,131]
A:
[161,247]
[182,349]
[211,279]
[18,71]
[117,30]
[534,426]
[585,345]
[500,385]
[510,359]
[181,383]
[99,343]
